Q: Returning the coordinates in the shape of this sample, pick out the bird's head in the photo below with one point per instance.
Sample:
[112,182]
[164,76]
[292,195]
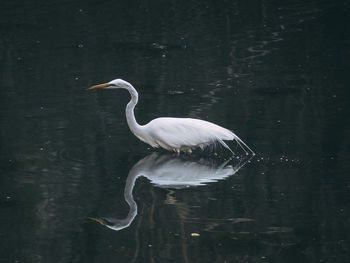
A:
[114,84]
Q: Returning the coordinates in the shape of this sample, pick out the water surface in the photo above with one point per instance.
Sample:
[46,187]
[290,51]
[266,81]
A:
[276,74]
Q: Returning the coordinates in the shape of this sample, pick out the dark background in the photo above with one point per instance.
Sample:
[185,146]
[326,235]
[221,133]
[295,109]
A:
[277,74]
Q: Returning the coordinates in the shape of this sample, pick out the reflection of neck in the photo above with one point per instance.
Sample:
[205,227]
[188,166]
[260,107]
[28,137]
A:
[129,186]
[119,224]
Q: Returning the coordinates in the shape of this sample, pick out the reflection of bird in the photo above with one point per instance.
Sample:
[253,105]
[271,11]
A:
[167,171]
[173,134]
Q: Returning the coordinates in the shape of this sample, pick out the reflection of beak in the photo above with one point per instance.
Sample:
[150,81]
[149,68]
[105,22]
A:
[104,85]
[99,220]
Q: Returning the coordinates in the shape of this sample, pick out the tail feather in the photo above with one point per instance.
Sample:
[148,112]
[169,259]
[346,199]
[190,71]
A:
[226,146]
[240,143]
[229,135]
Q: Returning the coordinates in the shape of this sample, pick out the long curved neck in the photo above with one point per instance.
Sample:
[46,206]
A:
[129,111]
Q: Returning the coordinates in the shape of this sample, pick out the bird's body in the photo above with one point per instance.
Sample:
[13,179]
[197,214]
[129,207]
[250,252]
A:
[174,134]
[184,133]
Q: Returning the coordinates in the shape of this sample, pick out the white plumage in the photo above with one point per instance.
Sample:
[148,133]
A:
[174,134]
[185,132]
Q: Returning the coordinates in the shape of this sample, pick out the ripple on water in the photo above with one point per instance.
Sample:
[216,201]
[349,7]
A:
[278,160]
[65,156]
[278,90]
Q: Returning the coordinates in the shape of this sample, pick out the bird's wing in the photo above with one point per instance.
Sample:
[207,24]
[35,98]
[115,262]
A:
[175,133]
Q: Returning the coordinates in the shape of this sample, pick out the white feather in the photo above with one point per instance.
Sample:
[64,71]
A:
[181,133]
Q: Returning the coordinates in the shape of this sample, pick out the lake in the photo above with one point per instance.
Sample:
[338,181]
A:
[77,186]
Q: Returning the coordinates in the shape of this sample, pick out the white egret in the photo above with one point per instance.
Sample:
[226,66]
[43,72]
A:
[173,134]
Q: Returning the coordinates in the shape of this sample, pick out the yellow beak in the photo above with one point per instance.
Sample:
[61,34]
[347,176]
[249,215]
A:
[104,85]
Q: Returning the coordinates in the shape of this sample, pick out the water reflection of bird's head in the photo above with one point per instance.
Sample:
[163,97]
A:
[171,171]
[115,224]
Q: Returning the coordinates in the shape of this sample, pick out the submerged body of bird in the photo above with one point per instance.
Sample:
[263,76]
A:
[173,134]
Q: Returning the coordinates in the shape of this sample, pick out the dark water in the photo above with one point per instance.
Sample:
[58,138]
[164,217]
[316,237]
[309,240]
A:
[275,73]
